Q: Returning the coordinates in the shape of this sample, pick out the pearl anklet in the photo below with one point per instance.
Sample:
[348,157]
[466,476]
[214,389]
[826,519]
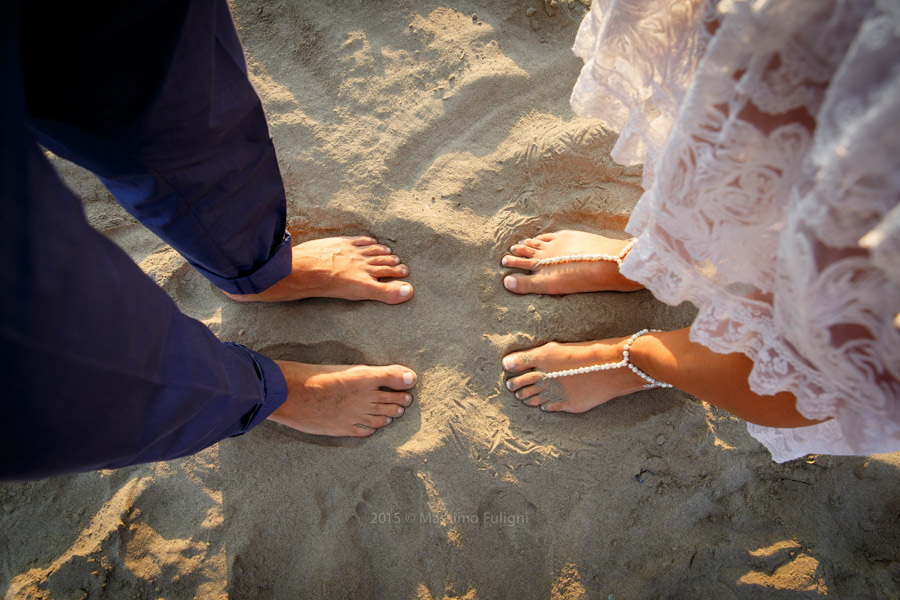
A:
[616,258]
[625,362]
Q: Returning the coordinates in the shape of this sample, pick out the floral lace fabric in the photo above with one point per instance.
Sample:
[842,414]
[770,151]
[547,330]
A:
[770,137]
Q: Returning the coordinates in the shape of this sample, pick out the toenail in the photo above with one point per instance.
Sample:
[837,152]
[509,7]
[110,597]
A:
[389,421]
[503,261]
[509,282]
[396,260]
[387,249]
[408,378]
[405,289]
[508,363]
[519,394]
[399,410]
[509,385]
[408,399]
[404,270]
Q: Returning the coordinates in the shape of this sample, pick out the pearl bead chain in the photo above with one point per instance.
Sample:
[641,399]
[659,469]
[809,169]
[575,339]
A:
[616,258]
[625,362]
[590,369]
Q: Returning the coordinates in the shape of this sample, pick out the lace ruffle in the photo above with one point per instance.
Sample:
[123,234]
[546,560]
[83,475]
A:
[771,159]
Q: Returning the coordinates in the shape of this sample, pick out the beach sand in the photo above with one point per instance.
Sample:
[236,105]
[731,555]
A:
[445,132]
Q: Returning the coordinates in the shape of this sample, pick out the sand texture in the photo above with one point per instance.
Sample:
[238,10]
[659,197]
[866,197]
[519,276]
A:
[445,132]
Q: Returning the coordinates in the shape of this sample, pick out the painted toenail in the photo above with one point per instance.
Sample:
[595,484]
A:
[408,378]
[508,363]
[509,282]
[405,290]
[503,261]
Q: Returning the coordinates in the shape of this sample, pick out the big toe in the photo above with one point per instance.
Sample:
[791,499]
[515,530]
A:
[396,377]
[521,284]
[516,362]
[393,292]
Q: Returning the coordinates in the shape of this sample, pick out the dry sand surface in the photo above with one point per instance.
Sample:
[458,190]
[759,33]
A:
[445,131]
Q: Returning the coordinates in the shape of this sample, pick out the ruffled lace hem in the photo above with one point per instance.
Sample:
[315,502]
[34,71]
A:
[771,159]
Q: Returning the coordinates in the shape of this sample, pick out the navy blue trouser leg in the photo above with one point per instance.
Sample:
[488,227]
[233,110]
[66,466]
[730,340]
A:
[194,161]
[100,369]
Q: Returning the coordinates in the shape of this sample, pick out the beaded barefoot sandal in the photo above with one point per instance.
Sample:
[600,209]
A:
[616,258]
[651,382]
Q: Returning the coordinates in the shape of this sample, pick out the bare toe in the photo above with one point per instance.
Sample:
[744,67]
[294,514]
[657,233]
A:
[556,407]
[376,250]
[520,283]
[389,404]
[391,292]
[517,383]
[383,409]
[396,377]
[394,411]
[518,362]
[516,262]
[374,421]
[522,250]
[385,260]
[363,240]
[535,400]
[529,391]
[389,272]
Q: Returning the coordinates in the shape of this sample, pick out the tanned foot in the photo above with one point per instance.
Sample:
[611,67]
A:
[572,393]
[350,268]
[566,278]
[340,400]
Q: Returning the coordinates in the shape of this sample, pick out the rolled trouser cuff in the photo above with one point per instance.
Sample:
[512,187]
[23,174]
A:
[268,274]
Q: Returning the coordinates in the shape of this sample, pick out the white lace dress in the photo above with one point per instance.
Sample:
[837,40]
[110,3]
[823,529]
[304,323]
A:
[769,132]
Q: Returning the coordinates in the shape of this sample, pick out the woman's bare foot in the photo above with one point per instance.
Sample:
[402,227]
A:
[566,278]
[572,393]
[340,400]
[350,268]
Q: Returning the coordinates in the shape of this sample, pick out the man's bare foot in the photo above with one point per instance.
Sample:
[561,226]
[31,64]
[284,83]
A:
[566,278]
[572,393]
[350,268]
[341,400]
